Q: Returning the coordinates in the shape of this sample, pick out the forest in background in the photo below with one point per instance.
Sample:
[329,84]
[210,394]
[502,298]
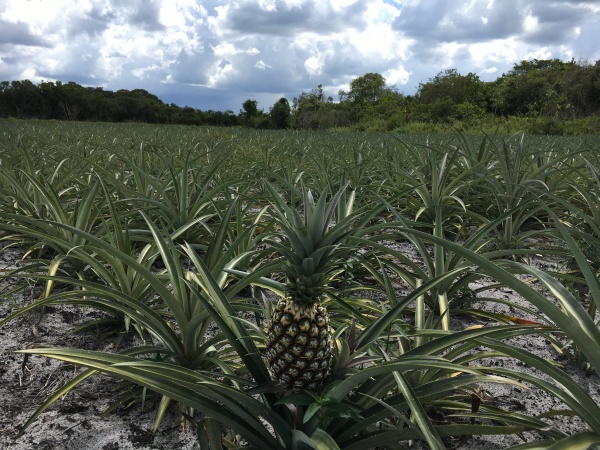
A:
[547,96]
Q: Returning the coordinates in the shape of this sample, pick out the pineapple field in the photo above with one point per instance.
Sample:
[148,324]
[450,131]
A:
[186,287]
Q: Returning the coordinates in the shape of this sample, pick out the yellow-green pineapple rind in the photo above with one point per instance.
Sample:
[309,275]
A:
[299,345]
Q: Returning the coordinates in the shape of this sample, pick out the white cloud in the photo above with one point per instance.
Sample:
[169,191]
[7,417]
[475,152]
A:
[268,5]
[378,38]
[530,24]
[542,53]
[219,73]
[230,51]
[271,48]
[262,65]
[314,65]
[496,51]
[145,72]
[396,76]
[340,4]
[38,14]
[489,71]
[181,13]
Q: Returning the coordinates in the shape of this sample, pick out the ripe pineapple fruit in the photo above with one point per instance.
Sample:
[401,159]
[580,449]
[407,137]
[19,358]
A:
[299,341]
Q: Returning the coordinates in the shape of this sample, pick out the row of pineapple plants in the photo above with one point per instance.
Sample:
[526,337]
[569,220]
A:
[169,237]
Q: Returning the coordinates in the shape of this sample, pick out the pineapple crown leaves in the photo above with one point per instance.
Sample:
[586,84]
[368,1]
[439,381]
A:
[316,244]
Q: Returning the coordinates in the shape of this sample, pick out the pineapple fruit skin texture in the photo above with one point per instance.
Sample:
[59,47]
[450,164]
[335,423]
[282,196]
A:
[299,345]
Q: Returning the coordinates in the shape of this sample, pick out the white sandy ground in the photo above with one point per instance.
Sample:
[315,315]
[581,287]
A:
[75,421]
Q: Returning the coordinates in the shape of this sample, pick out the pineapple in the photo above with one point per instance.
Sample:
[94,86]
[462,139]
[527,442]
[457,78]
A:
[299,341]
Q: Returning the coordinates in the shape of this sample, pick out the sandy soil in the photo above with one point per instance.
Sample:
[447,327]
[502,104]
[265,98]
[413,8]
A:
[76,421]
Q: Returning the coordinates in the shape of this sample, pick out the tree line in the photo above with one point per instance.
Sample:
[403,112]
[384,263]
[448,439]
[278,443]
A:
[551,89]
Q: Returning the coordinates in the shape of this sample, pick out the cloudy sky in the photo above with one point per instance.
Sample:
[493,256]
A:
[214,54]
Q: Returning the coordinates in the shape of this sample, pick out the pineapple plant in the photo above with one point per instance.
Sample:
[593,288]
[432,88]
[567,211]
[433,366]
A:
[299,340]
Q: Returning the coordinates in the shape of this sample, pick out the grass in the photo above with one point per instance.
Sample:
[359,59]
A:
[171,231]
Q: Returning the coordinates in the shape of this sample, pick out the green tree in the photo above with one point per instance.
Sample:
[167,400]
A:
[364,95]
[532,87]
[251,116]
[373,105]
[312,110]
[581,87]
[5,108]
[450,95]
[281,114]
[365,90]
[249,110]
[449,83]
[25,99]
